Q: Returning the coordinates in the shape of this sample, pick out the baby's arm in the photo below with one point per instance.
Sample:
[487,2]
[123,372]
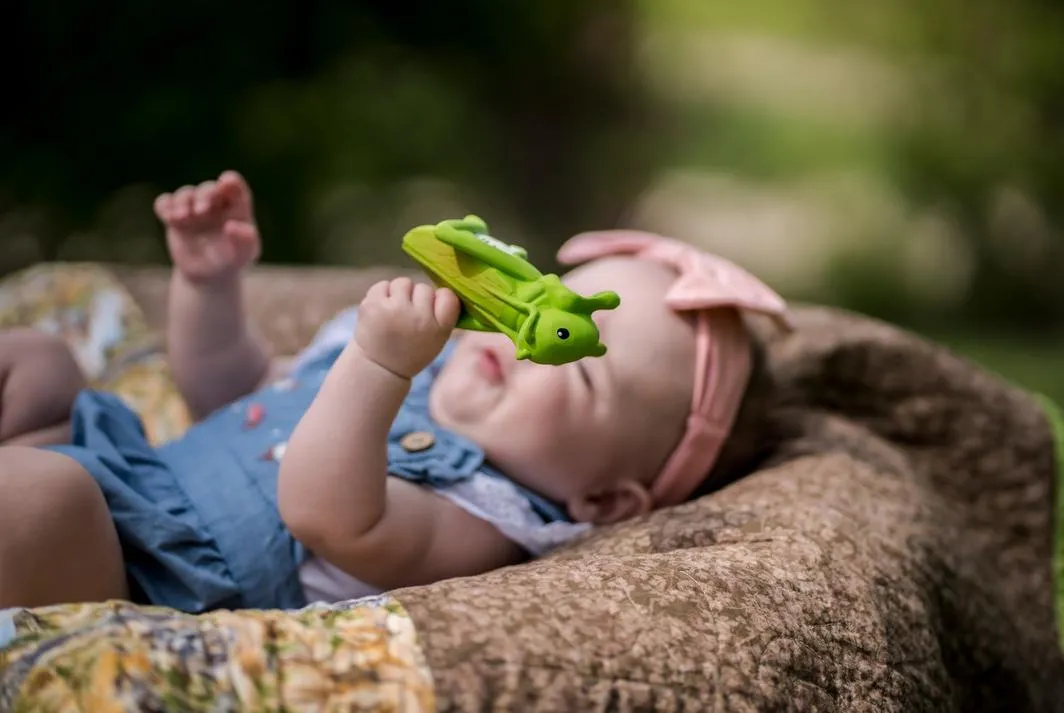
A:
[334,493]
[215,354]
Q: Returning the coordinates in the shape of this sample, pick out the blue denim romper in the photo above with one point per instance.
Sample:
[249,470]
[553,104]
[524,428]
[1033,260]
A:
[197,518]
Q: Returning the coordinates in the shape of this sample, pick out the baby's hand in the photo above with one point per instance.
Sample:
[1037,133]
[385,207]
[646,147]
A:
[210,228]
[402,326]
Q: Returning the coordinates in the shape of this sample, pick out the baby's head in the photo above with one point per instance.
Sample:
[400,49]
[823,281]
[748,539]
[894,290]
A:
[615,436]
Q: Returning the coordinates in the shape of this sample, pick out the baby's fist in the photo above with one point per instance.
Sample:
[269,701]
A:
[210,228]
[403,326]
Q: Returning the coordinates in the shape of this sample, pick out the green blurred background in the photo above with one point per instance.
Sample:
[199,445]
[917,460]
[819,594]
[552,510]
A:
[898,157]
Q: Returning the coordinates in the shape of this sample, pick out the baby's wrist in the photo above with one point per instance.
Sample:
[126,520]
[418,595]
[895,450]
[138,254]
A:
[380,365]
[222,284]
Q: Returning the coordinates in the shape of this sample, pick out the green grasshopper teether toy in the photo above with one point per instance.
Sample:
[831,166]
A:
[501,291]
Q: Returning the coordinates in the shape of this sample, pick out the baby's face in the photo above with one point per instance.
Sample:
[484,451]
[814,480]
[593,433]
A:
[590,434]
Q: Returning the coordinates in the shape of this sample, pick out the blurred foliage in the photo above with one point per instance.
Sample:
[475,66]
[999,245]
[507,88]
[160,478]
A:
[515,110]
[952,108]
[910,151]
[952,112]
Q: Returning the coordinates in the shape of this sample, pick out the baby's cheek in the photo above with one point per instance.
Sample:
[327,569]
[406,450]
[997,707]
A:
[536,412]
[562,441]
[534,434]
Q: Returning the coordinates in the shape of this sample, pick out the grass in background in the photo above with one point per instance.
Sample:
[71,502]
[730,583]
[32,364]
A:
[1034,364]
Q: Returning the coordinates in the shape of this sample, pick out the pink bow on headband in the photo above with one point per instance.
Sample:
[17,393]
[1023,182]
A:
[713,289]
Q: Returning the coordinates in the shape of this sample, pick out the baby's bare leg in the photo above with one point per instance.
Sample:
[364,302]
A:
[57,540]
[39,379]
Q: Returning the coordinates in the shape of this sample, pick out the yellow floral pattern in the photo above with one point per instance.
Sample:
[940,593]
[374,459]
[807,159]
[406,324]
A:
[107,332]
[118,657]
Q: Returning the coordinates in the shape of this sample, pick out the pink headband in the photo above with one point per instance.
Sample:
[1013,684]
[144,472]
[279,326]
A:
[705,285]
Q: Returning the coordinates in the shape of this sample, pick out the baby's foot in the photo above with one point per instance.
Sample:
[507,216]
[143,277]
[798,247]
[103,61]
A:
[210,228]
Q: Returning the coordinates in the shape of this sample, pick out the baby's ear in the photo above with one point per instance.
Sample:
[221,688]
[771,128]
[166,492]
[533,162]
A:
[625,499]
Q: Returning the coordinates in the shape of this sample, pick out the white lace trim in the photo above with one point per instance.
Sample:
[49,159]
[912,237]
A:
[499,502]
[491,499]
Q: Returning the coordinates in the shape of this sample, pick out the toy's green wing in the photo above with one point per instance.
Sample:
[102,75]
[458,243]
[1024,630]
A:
[470,237]
[477,284]
[466,320]
[501,291]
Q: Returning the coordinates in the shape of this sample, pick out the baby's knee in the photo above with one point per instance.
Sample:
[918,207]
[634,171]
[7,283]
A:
[33,480]
[39,380]
[39,351]
[45,497]
[52,511]
[28,341]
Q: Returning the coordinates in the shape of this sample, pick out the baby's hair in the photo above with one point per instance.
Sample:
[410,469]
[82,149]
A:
[752,437]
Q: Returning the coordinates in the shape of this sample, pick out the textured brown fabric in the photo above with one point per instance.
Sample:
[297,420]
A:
[892,555]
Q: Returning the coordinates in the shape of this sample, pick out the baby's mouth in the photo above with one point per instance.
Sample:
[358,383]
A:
[490,366]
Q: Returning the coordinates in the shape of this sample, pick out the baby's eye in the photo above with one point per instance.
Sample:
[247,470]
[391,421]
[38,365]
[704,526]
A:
[584,375]
[563,333]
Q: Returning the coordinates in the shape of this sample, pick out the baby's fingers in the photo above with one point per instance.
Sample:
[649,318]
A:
[232,186]
[377,292]
[220,254]
[244,238]
[446,307]
[241,231]
[401,288]
[164,207]
[422,297]
[181,205]
[206,197]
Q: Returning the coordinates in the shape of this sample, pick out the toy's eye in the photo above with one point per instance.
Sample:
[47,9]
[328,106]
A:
[563,333]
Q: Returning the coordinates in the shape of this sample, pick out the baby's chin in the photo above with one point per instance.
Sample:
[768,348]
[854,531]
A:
[459,401]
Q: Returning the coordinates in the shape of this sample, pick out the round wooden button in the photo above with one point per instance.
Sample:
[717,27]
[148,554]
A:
[417,441]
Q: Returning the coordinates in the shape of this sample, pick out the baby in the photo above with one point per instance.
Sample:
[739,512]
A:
[280,494]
